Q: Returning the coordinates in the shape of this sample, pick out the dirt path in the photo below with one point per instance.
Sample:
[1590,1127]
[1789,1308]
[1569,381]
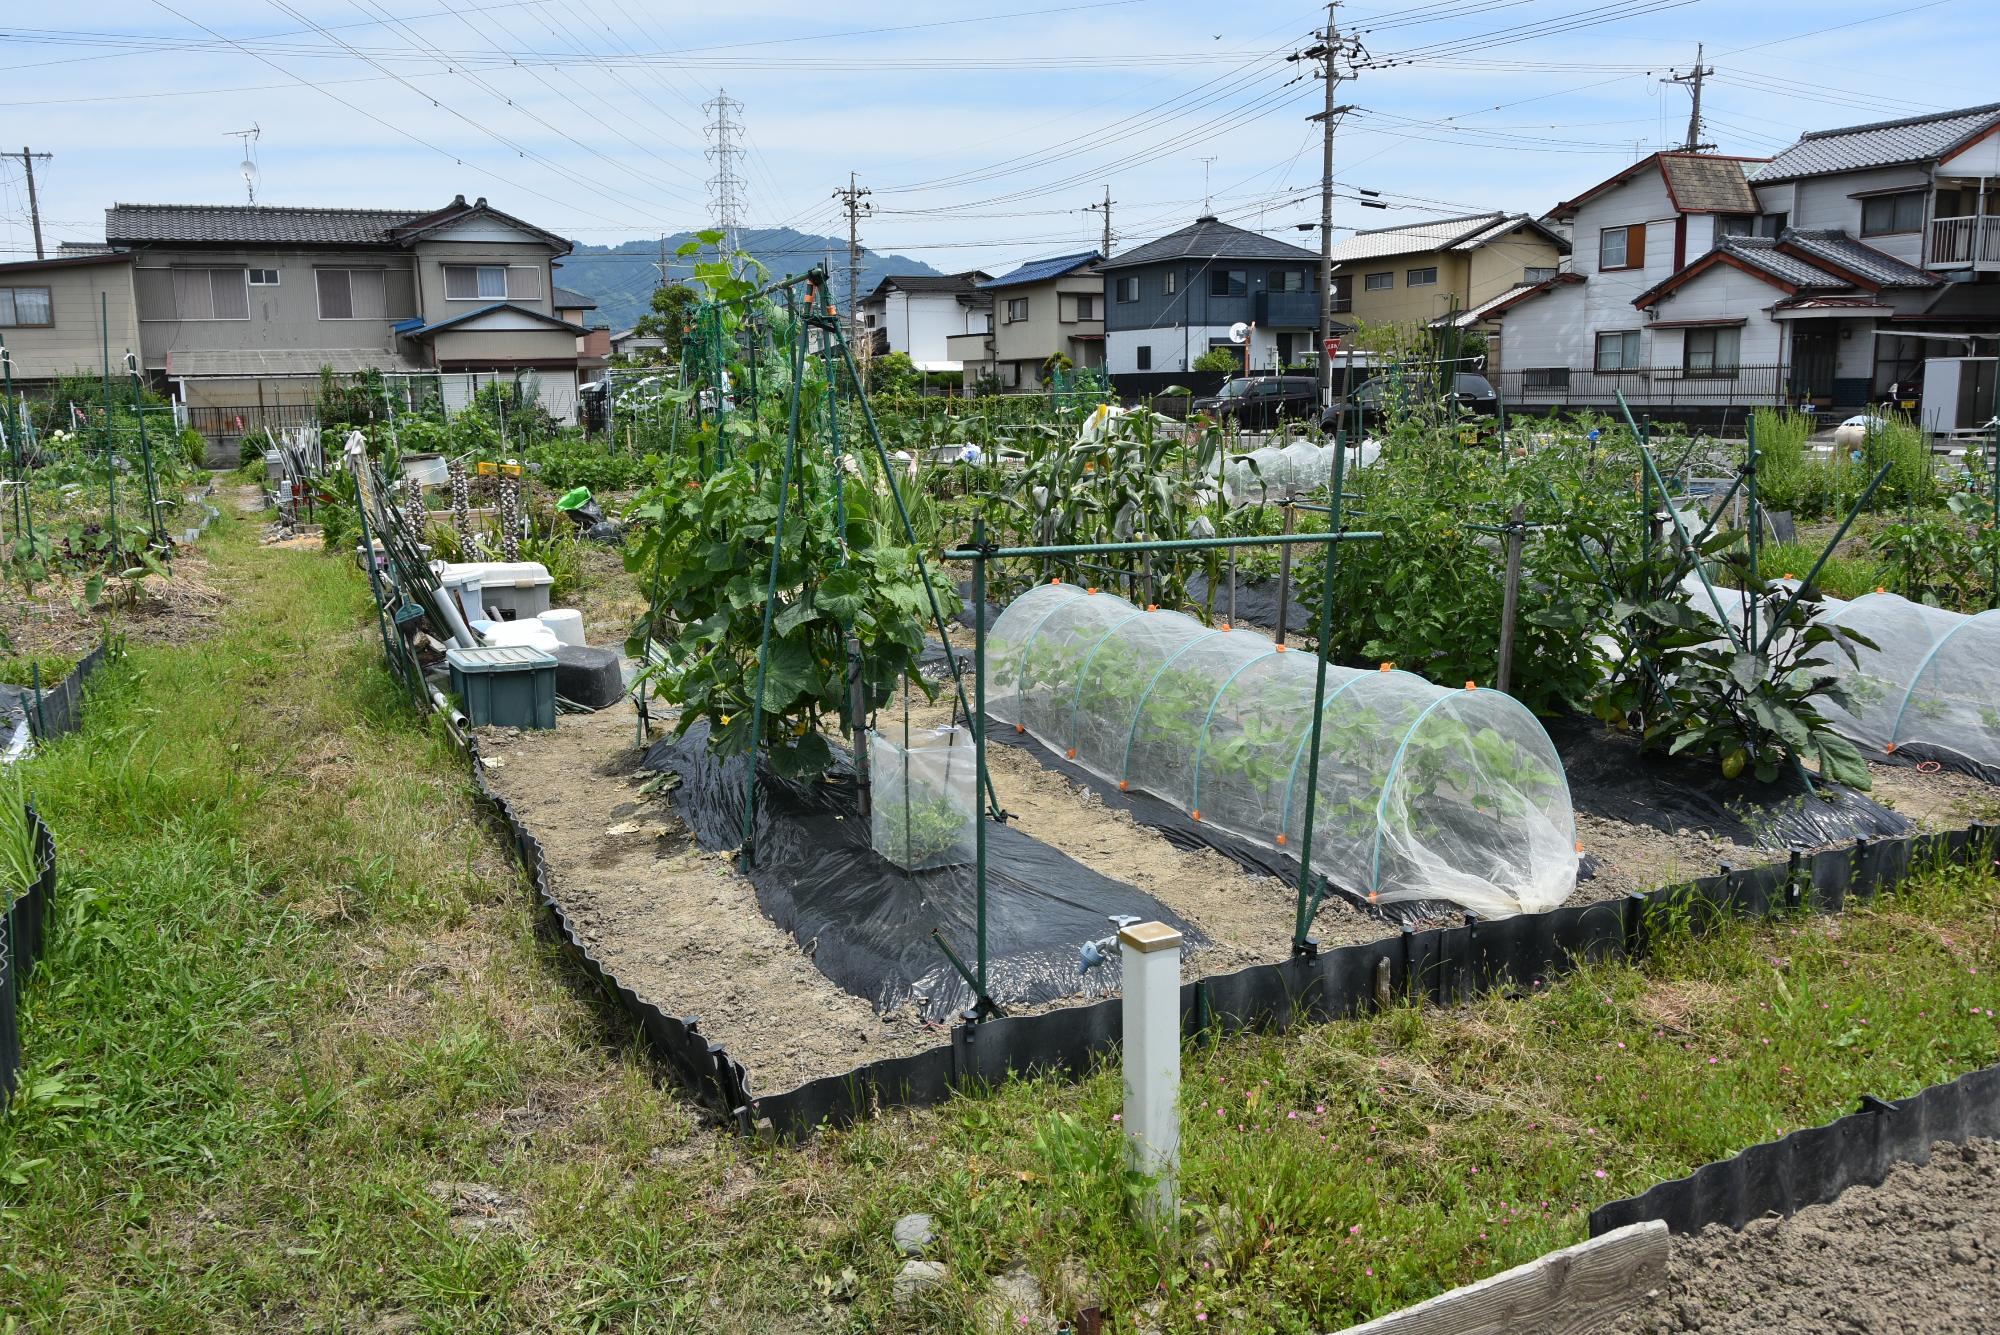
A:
[1918,1255]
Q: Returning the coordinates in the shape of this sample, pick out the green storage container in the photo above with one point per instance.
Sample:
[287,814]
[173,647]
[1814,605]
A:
[508,686]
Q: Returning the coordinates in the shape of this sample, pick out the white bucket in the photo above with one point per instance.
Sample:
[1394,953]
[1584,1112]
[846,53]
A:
[566,622]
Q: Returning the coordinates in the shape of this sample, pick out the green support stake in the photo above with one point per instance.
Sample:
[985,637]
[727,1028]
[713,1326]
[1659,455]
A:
[770,599]
[1750,635]
[1993,479]
[153,525]
[110,453]
[1303,942]
[979,742]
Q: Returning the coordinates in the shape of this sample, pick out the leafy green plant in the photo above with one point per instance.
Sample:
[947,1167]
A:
[1218,359]
[1781,455]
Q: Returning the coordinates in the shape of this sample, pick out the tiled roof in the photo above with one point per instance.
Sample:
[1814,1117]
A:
[1837,248]
[1702,184]
[255,363]
[1041,271]
[1879,144]
[1762,253]
[1209,238]
[418,329]
[568,299]
[936,283]
[1472,315]
[253,224]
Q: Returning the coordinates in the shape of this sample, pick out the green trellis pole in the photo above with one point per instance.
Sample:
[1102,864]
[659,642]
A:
[1303,943]
[110,453]
[18,447]
[153,525]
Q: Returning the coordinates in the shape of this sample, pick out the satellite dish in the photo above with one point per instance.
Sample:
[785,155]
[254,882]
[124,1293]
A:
[1239,332]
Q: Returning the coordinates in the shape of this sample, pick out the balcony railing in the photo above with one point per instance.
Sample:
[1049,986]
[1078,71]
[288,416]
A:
[1958,243]
[1287,310]
[1651,387]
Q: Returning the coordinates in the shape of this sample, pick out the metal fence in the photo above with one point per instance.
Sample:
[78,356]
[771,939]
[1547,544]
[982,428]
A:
[1649,387]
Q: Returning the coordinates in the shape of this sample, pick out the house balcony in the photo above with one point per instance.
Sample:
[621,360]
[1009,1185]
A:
[968,347]
[1965,243]
[1654,387]
[1287,310]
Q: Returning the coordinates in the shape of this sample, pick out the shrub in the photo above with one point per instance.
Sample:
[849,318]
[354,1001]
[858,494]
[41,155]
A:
[1781,456]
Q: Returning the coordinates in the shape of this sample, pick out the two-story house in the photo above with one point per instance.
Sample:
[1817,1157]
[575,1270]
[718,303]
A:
[1017,322]
[1575,337]
[238,308]
[1861,260]
[1171,300]
[593,346]
[1421,273]
[915,314]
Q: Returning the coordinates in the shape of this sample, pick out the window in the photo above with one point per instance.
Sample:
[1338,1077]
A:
[1735,224]
[1017,310]
[263,278]
[352,294]
[1170,282]
[1228,282]
[25,307]
[1128,288]
[1144,357]
[210,294]
[1090,308]
[1887,214]
[1773,223]
[1291,280]
[1545,377]
[1539,273]
[1379,282]
[492,282]
[1622,247]
[1618,351]
[1421,277]
[1712,352]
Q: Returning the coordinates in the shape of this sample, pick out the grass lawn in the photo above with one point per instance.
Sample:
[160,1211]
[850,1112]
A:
[300,1060]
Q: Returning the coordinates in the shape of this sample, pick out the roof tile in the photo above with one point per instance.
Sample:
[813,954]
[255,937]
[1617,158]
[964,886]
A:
[1041,271]
[1878,144]
[1210,238]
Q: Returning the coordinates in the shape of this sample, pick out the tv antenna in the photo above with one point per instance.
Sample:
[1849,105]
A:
[248,166]
[1207,199]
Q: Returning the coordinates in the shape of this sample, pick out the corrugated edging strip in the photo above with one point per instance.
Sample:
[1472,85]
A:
[1444,966]
[714,1077]
[1813,1166]
[59,708]
[21,939]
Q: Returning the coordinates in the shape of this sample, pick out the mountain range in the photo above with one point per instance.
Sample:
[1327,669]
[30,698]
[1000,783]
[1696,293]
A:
[620,278]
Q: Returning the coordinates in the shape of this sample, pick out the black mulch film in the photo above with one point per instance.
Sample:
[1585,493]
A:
[868,922]
[1610,777]
[1916,755]
[1814,1165]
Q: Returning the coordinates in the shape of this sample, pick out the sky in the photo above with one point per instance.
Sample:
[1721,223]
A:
[983,130]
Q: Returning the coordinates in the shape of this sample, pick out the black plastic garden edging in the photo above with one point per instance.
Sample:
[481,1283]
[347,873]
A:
[1814,1165]
[1445,966]
[22,925]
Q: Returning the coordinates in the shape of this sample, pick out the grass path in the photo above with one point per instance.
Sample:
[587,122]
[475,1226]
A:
[300,1061]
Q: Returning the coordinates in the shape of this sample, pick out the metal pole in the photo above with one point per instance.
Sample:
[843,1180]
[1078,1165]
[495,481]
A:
[146,455]
[1309,895]
[1756,535]
[1284,568]
[1510,599]
[110,452]
[1330,46]
[1181,544]
[979,746]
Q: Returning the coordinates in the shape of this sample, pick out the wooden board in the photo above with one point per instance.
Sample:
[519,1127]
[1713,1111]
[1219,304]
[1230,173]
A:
[1570,1292]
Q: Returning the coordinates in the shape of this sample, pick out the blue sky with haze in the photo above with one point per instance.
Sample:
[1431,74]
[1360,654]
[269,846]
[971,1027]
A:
[983,129]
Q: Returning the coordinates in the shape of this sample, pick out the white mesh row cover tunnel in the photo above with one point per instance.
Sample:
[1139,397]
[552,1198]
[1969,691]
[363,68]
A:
[1424,793]
[1273,473]
[1932,679]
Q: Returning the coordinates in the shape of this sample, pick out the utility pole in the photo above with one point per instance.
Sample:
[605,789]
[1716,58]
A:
[1105,209]
[850,199]
[28,161]
[1330,51]
[660,264]
[1693,79]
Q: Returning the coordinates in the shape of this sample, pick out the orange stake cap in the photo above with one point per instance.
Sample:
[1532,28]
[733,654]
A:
[1281,841]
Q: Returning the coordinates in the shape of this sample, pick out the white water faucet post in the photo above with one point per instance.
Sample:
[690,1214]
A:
[1151,960]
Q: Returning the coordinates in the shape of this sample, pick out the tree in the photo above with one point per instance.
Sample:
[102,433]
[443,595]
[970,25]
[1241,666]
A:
[673,309]
[1226,360]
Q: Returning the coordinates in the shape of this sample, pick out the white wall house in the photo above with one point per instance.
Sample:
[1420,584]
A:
[1827,277]
[915,314]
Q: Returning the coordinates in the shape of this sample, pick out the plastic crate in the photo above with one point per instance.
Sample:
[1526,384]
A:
[508,686]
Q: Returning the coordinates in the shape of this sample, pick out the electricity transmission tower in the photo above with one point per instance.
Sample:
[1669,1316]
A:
[725,188]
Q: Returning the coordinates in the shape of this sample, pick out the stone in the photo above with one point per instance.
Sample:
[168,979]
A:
[914,1278]
[1010,1295]
[913,1233]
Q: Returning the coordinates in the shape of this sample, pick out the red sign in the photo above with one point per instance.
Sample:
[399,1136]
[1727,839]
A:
[1332,346]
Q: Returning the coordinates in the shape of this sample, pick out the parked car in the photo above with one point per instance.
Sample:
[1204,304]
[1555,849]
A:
[1473,394]
[1260,402]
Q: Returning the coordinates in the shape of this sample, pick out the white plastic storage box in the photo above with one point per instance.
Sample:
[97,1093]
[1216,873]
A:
[499,590]
[923,798]
[508,686]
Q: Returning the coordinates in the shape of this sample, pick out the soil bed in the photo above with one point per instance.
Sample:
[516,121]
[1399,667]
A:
[1920,1253]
